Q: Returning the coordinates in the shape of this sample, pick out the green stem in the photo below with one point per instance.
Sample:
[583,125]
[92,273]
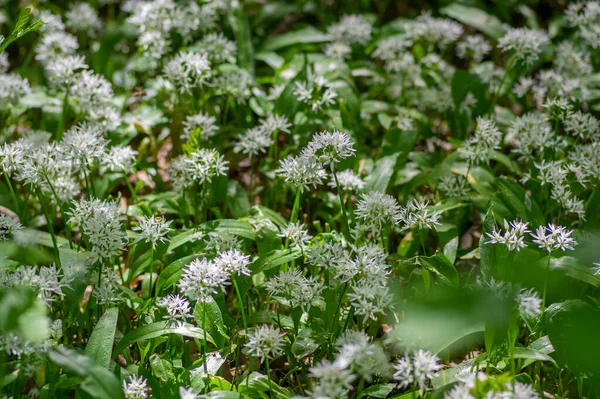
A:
[50,230]
[295,209]
[13,195]
[269,377]
[130,187]
[62,212]
[346,229]
[151,271]
[204,345]
[545,287]
[63,117]
[509,66]
[240,300]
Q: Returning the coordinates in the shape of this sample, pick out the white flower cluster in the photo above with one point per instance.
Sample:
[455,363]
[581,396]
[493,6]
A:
[550,238]
[199,167]
[292,289]
[46,281]
[316,92]
[265,342]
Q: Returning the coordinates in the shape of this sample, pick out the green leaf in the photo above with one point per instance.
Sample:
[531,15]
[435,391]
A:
[274,259]
[76,272]
[476,18]
[214,320]
[451,375]
[487,253]
[99,382]
[272,59]
[162,369]
[573,268]
[302,36]
[307,341]
[22,20]
[171,274]
[531,355]
[158,329]
[379,178]
[442,267]
[377,391]
[241,228]
[100,344]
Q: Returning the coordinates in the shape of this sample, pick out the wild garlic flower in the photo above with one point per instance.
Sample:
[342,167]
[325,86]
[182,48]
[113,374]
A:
[52,22]
[91,91]
[356,351]
[349,181]
[233,261]
[369,298]
[218,48]
[100,222]
[453,185]
[585,17]
[301,173]
[4,63]
[531,135]
[525,44]
[296,233]
[377,210]
[187,393]
[292,289]
[391,48]
[557,108]
[275,124]
[136,388]
[201,166]
[417,369]
[334,382]
[62,71]
[350,29]
[338,50]
[178,309]
[235,83]
[570,62]
[12,89]
[84,145]
[55,45]
[513,236]
[474,48]
[529,303]
[45,281]
[328,148]
[154,43]
[582,125]
[552,238]
[109,292]
[188,71]
[82,17]
[221,242]
[486,139]
[201,125]
[326,254]
[119,159]
[439,31]
[203,278]
[253,142]
[316,92]
[416,214]
[154,229]
[369,263]
[265,342]
[8,227]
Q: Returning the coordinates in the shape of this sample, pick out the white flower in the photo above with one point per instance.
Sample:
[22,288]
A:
[55,45]
[480,146]
[529,303]
[301,173]
[8,227]
[513,236]
[221,242]
[136,388]
[253,142]
[201,166]
[377,209]
[187,393]
[12,88]
[202,125]
[582,125]
[187,71]
[265,342]
[356,350]
[349,181]
[552,238]
[328,148]
[526,44]
[369,298]
[292,289]
[316,92]
[275,124]
[296,233]
[474,47]
[416,370]
[203,278]
[417,214]
[81,17]
[233,262]
[178,309]
[62,71]
[338,50]
[52,22]
[92,91]
[84,145]
[119,159]
[350,29]
[218,48]
[453,185]
[334,382]
[439,31]
[154,229]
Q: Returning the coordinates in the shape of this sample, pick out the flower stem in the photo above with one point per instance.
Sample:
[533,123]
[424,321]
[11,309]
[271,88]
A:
[269,377]
[62,212]
[12,194]
[50,230]
[240,300]
[545,286]
[346,229]
[63,117]
[295,209]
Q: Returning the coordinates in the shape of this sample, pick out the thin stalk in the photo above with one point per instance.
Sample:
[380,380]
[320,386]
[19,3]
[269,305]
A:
[296,207]
[151,271]
[50,230]
[346,229]
[204,345]
[99,307]
[269,377]
[545,286]
[63,117]
[240,300]
[509,66]
[130,187]
[62,212]
[12,194]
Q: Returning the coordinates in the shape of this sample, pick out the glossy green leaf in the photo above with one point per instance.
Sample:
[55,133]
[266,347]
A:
[100,344]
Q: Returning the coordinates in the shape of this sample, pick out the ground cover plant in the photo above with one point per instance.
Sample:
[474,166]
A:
[299,199]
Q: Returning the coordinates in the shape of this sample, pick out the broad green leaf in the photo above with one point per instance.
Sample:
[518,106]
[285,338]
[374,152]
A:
[307,341]
[487,252]
[158,329]
[476,18]
[453,374]
[274,259]
[162,369]
[239,228]
[76,272]
[573,268]
[100,344]
[442,267]
[302,36]
[213,322]
[99,382]
[171,274]
[377,391]
[379,178]
[272,59]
